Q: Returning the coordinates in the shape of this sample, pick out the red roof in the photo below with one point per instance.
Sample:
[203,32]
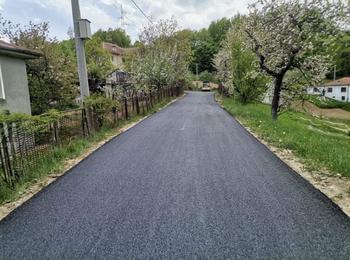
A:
[9,47]
[339,82]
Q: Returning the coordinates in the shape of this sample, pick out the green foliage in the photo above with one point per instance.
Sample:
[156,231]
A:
[341,55]
[218,29]
[163,59]
[100,103]
[324,102]
[313,140]
[34,124]
[238,67]
[99,60]
[203,52]
[207,76]
[116,36]
[206,43]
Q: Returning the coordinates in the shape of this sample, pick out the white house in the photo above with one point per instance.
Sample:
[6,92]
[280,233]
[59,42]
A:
[338,89]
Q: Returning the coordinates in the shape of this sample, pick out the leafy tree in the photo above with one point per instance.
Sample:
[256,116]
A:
[238,67]
[163,58]
[99,60]
[342,56]
[218,29]
[51,78]
[285,35]
[116,36]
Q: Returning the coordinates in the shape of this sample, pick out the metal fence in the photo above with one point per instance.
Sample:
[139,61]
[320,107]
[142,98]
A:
[25,149]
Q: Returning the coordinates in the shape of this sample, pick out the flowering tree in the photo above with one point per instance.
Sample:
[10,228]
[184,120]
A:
[238,67]
[162,59]
[288,35]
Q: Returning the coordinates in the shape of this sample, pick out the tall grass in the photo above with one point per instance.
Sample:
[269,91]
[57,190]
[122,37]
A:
[319,143]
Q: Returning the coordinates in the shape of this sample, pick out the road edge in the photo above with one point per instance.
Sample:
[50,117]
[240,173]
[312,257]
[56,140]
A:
[37,187]
[295,165]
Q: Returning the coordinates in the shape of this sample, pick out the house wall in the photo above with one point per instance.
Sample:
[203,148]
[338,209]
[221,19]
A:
[15,81]
[117,61]
[337,94]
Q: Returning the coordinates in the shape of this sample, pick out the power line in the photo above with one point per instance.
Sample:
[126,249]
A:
[141,11]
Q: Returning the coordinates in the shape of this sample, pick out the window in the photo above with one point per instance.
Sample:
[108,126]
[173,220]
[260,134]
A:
[2,87]
[343,98]
[329,90]
[343,89]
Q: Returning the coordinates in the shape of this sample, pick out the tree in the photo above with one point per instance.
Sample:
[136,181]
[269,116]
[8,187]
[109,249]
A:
[342,56]
[99,60]
[163,56]
[51,78]
[238,67]
[116,36]
[285,34]
[218,29]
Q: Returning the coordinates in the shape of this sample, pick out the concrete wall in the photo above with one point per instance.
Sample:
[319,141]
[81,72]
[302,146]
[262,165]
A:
[335,94]
[15,85]
[117,61]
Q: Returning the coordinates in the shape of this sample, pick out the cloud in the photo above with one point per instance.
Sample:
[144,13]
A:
[190,14]
[2,3]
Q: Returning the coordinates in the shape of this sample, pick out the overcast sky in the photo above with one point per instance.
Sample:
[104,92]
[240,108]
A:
[191,14]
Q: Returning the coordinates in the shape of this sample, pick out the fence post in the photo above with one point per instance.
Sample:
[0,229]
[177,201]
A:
[5,157]
[126,107]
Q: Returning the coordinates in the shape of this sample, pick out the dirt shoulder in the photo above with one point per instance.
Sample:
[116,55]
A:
[336,113]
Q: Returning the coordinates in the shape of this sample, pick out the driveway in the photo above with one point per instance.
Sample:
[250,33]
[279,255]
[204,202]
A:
[188,182]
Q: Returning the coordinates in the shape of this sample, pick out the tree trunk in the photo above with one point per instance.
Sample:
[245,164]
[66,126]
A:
[276,97]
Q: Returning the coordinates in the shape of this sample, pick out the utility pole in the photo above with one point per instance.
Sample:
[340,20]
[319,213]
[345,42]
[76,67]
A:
[79,44]
[335,72]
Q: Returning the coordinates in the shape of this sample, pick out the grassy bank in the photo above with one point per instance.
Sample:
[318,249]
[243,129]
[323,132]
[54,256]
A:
[322,102]
[319,143]
[54,161]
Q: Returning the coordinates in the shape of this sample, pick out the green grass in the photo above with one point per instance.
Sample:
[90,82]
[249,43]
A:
[319,143]
[328,103]
[54,161]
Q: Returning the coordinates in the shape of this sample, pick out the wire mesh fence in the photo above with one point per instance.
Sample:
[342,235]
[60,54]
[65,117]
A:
[23,148]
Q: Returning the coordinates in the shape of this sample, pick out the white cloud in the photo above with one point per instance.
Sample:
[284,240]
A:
[2,3]
[191,14]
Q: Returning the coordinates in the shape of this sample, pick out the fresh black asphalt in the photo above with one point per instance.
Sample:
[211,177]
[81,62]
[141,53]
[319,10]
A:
[188,182]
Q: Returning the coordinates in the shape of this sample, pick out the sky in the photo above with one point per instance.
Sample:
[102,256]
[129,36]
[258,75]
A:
[190,14]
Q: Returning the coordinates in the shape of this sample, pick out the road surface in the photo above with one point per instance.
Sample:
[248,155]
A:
[188,182]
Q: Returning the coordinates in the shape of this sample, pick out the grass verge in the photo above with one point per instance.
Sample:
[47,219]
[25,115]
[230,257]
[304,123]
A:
[324,102]
[54,161]
[320,144]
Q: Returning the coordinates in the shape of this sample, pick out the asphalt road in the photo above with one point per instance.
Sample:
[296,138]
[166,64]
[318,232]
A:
[188,182]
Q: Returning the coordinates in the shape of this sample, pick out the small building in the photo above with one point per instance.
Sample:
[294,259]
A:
[337,89]
[117,53]
[14,91]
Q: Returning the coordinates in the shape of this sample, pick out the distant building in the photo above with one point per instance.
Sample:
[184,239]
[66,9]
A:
[117,53]
[338,89]
[14,91]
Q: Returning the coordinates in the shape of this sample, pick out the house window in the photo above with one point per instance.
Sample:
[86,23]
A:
[343,98]
[343,89]
[2,87]
[329,90]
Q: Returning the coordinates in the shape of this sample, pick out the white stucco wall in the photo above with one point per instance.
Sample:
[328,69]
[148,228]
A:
[335,94]
[15,85]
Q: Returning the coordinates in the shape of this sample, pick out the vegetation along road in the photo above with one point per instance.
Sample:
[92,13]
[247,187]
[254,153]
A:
[187,182]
